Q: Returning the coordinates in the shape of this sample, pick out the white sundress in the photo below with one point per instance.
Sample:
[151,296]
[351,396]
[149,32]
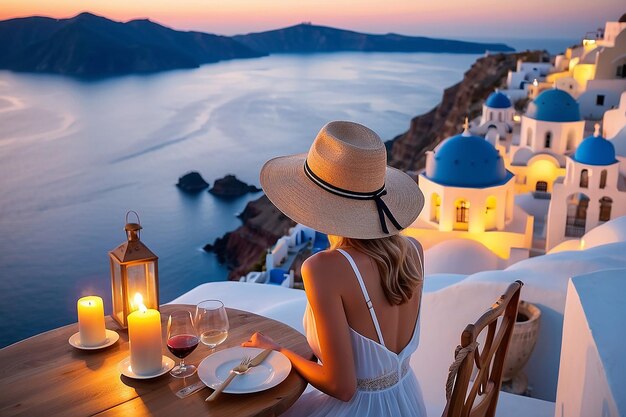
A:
[386,384]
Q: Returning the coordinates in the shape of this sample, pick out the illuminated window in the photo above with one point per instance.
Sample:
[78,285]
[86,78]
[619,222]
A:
[435,207]
[490,213]
[462,211]
[529,136]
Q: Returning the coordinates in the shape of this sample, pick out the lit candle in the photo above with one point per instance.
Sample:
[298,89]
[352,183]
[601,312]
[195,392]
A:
[144,335]
[91,321]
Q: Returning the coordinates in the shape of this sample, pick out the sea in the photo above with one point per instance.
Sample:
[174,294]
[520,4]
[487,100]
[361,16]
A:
[76,155]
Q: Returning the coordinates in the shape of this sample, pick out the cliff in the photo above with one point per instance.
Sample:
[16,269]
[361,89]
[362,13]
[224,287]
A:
[244,247]
[407,151]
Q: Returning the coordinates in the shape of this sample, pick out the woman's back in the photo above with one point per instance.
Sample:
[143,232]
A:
[385,383]
[397,322]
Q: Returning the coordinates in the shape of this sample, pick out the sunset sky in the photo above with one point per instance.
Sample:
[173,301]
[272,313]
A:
[452,18]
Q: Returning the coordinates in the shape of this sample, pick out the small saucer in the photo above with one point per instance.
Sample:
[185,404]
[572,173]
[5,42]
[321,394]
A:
[124,367]
[112,337]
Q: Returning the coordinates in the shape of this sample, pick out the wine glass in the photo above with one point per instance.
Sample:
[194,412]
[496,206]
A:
[212,322]
[182,339]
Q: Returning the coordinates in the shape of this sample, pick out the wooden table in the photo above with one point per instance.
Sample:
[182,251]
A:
[45,376]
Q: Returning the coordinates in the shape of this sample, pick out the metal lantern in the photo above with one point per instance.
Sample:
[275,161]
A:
[134,275]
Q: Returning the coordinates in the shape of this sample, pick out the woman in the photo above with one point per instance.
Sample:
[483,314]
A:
[364,293]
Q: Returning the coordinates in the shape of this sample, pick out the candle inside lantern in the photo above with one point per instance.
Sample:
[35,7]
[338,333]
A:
[144,335]
[91,327]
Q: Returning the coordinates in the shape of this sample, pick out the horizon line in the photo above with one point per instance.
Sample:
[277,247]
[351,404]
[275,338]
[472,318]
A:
[446,37]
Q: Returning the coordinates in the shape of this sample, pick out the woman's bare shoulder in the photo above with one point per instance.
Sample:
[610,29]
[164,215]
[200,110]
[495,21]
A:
[322,267]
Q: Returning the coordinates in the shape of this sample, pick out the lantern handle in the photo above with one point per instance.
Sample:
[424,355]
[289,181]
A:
[133,230]
[136,215]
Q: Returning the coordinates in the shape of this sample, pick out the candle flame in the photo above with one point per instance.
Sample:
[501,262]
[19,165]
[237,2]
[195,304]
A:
[138,302]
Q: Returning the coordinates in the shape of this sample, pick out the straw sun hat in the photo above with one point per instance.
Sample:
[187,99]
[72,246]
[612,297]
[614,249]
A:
[343,186]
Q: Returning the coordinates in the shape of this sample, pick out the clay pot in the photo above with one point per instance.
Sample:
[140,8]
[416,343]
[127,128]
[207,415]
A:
[525,332]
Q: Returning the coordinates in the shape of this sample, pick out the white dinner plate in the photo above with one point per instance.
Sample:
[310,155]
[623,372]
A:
[214,369]
[111,337]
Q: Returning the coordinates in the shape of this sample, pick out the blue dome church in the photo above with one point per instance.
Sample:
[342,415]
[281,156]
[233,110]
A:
[470,194]
[497,119]
[590,193]
[552,123]
[551,129]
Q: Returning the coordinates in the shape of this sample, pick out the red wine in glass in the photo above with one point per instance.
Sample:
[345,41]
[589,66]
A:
[182,345]
[182,339]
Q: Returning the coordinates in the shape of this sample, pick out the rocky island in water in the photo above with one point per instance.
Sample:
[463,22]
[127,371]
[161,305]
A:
[192,182]
[231,187]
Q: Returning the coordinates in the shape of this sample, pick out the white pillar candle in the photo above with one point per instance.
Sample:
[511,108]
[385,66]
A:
[91,321]
[144,335]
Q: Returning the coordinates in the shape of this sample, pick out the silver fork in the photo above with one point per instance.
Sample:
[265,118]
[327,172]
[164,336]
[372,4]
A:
[240,369]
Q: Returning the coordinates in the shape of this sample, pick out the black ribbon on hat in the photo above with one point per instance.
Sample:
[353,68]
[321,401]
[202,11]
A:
[355,195]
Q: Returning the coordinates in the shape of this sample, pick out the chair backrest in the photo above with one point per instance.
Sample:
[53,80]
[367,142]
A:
[478,398]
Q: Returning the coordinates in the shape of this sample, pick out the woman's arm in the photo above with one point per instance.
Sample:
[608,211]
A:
[336,376]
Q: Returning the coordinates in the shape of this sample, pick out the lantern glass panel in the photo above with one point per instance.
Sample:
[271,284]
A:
[118,295]
[140,279]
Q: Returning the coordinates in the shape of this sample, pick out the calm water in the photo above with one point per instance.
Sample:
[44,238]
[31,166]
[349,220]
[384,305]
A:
[75,156]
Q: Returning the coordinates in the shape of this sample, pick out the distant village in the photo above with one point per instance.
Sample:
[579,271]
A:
[514,185]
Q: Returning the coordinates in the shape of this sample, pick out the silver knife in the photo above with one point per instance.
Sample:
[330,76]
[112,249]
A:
[256,361]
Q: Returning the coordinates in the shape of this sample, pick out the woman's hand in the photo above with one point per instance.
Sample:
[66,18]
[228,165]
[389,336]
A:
[261,341]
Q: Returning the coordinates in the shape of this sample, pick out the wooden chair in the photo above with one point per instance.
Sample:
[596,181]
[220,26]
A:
[478,398]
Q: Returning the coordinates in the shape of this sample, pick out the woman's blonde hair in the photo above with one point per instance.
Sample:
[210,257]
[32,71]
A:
[400,276]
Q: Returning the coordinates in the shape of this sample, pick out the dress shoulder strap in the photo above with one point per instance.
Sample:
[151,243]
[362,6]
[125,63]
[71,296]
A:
[368,301]
[418,255]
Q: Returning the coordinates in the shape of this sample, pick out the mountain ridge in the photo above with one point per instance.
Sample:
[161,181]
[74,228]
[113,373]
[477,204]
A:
[309,38]
[89,45]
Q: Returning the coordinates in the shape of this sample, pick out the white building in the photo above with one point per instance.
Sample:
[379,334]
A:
[608,81]
[519,83]
[551,128]
[526,73]
[611,31]
[470,195]
[592,192]
[595,71]
[497,119]
[614,120]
